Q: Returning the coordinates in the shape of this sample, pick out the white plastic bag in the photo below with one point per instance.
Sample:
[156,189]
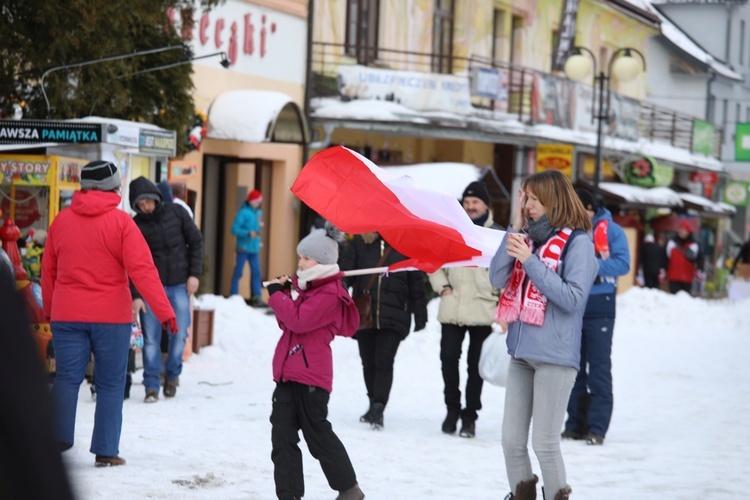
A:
[494,360]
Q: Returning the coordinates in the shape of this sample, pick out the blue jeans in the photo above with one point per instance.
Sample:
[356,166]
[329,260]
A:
[254,260]
[535,391]
[152,365]
[74,342]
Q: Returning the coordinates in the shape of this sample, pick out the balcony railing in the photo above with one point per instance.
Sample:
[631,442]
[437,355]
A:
[530,96]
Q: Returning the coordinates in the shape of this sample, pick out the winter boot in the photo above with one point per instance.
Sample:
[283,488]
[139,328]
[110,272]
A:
[353,493]
[451,419]
[367,417]
[468,423]
[112,461]
[376,416]
[594,439]
[562,494]
[576,436]
[170,388]
[525,490]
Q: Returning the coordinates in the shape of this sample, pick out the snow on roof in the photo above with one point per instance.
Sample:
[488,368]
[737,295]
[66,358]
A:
[365,110]
[708,205]
[659,196]
[444,177]
[244,115]
[117,121]
[675,35]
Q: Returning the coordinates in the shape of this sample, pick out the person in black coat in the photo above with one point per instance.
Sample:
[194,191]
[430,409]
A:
[652,261]
[395,298]
[176,245]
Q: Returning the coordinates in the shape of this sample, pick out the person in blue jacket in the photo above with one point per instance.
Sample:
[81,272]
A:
[246,227]
[591,401]
[546,266]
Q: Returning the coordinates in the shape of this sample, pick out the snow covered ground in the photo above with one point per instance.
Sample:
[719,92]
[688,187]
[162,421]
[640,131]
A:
[679,429]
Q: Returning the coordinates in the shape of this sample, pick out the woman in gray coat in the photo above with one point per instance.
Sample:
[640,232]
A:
[547,274]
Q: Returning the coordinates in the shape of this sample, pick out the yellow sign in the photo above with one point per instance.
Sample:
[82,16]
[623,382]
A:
[589,164]
[555,157]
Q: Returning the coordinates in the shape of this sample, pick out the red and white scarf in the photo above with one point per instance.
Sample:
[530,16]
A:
[529,304]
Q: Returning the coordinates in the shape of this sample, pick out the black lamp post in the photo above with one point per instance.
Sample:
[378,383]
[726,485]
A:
[623,66]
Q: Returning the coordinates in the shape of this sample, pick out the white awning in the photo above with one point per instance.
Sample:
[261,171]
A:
[706,207]
[256,116]
[638,196]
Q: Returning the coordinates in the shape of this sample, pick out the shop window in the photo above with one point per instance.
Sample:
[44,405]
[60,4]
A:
[362,17]
[499,36]
[442,36]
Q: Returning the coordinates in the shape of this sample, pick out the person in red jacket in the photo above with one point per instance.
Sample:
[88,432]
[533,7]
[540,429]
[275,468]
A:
[92,249]
[683,260]
[303,367]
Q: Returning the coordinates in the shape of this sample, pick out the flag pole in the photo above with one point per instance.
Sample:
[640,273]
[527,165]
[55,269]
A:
[353,272]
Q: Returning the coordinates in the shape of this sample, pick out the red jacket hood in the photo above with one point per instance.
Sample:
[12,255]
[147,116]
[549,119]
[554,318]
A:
[92,202]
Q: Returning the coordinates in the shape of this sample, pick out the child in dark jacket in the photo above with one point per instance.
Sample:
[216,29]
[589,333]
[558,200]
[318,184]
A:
[303,367]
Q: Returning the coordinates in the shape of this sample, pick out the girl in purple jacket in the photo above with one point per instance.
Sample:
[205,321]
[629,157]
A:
[303,367]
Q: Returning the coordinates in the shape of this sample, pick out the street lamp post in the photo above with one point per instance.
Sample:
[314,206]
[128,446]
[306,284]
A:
[623,66]
[104,59]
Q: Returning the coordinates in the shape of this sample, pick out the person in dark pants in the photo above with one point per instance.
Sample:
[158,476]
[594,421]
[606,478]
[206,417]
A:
[467,303]
[591,400]
[395,298]
[303,367]
[652,261]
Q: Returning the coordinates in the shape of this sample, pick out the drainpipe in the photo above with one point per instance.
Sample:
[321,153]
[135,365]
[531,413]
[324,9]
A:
[727,43]
[308,83]
[709,95]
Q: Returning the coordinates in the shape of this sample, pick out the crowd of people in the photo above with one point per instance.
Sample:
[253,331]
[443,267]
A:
[552,286]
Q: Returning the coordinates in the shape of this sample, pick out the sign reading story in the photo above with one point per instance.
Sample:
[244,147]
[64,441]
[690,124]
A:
[35,132]
[418,91]
[555,157]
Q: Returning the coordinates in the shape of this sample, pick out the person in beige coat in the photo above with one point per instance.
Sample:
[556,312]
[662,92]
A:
[467,303]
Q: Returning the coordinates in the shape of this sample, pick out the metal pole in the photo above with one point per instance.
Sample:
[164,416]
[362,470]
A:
[599,116]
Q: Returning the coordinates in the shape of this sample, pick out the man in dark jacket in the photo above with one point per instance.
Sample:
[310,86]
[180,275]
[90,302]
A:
[394,299]
[652,261]
[177,248]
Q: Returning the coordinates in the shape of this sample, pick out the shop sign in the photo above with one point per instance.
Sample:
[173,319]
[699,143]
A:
[419,91]
[35,132]
[647,172]
[704,177]
[742,142]
[491,83]
[258,41]
[158,143]
[703,137]
[123,135]
[736,193]
[555,157]
[25,170]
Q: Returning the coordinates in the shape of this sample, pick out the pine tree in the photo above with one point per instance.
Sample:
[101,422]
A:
[37,35]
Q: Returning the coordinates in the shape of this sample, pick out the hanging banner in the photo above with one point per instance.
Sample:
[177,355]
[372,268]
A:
[703,137]
[555,157]
[742,142]
[419,91]
[567,33]
[737,193]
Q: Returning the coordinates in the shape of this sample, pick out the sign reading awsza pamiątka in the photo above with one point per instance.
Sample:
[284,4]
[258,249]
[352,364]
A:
[35,132]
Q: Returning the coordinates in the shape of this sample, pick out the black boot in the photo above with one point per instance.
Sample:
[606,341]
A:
[451,419]
[468,424]
[367,417]
[377,416]
[525,490]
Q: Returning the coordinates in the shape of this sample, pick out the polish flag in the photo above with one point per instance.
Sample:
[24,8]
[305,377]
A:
[430,228]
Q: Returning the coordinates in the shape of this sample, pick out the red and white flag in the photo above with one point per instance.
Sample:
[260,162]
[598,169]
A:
[430,228]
